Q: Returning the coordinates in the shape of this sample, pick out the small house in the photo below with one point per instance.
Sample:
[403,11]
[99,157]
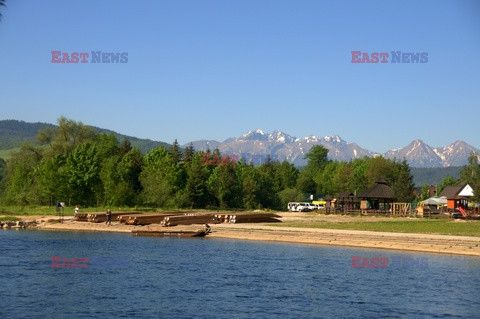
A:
[457,196]
[379,197]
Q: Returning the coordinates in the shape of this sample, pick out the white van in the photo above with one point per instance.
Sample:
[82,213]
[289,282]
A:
[292,206]
[306,207]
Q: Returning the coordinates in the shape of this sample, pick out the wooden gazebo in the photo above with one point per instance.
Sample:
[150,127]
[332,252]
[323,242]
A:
[379,196]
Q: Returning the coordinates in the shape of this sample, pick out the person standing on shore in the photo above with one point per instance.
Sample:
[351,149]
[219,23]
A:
[76,211]
[109,217]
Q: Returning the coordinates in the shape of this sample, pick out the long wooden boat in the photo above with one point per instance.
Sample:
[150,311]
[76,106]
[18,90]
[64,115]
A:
[148,233]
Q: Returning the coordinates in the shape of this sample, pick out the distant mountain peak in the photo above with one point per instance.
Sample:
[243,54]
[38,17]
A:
[311,138]
[255,145]
[334,139]
[258,134]
[280,137]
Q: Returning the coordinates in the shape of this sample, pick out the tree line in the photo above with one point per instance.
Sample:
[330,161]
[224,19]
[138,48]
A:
[75,164]
[469,174]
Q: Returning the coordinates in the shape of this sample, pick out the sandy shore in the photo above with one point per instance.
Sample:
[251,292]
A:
[460,245]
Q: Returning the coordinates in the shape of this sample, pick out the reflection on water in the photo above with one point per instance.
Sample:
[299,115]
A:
[142,277]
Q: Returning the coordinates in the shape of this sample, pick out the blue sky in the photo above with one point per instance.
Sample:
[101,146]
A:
[216,69]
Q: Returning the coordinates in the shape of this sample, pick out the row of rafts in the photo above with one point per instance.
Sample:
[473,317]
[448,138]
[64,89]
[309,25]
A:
[180,218]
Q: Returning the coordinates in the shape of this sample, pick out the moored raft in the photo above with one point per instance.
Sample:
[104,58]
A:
[147,233]
[189,219]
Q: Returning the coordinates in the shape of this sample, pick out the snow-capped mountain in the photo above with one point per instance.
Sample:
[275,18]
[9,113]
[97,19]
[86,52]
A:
[456,154]
[256,145]
[419,154]
[256,135]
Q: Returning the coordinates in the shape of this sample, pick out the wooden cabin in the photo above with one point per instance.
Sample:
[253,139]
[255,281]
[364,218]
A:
[380,197]
[457,196]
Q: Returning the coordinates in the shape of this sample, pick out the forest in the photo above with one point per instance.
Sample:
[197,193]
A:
[75,164]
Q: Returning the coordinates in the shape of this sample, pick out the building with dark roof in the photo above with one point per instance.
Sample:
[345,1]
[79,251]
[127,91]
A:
[380,196]
[457,196]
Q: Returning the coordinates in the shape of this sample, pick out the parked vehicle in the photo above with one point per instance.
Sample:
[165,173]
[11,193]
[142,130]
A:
[302,207]
[306,207]
[292,206]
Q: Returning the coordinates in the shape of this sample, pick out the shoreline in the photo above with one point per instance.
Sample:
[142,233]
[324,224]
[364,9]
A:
[444,244]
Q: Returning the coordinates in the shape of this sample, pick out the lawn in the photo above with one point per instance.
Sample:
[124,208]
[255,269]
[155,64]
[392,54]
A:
[424,226]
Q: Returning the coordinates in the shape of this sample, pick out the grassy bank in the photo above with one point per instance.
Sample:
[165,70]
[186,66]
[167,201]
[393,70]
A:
[9,219]
[430,226]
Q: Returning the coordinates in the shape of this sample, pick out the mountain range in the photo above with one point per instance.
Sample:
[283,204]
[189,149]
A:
[256,145]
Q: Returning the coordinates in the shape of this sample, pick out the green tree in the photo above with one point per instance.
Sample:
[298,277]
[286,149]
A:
[82,169]
[176,153]
[317,157]
[196,188]
[379,168]
[267,189]
[224,184]
[52,180]
[447,181]
[305,182]
[110,179]
[19,184]
[125,147]
[250,186]
[107,146]
[325,180]
[403,182]
[342,177]
[129,169]
[67,136]
[470,174]
[424,193]
[358,181]
[286,176]
[189,153]
[161,178]
[109,154]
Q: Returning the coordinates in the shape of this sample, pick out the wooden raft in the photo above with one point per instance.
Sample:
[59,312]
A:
[146,233]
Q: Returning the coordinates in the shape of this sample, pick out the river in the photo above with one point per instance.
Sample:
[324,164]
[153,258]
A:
[145,277]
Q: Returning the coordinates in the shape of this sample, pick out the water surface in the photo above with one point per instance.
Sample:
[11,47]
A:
[144,277]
